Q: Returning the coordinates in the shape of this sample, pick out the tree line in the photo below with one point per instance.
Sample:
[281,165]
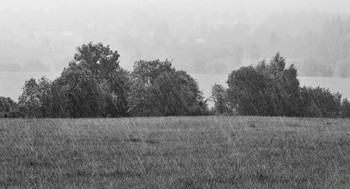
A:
[271,89]
[94,85]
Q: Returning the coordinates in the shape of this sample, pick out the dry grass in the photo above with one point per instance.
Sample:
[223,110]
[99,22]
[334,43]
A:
[181,152]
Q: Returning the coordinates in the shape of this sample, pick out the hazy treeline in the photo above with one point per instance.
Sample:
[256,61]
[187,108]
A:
[95,85]
[202,41]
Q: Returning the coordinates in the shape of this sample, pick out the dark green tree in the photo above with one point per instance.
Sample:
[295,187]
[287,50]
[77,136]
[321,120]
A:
[100,60]
[34,100]
[7,105]
[320,102]
[283,86]
[219,96]
[159,90]
[246,92]
[345,108]
[77,93]
[265,89]
[93,85]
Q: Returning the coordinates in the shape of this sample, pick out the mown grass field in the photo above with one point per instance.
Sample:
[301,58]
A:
[175,152]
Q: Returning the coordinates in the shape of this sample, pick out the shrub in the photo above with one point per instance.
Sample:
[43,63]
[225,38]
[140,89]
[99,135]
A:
[265,90]
[7,105]
[320,102]
[158,89]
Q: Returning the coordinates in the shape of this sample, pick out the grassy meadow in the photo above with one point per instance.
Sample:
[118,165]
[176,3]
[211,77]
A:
[175,152]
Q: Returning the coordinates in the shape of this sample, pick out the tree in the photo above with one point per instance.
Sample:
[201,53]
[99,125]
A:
[219,95]
[320,102]
[117,87]
[97,58]
[33,98]
[159,90]
[284,85]
[273,90]
[93,85]
[44,89]
[7,105]
[103,63]
[266,89]
[246,91]
[345,108]
[77,94]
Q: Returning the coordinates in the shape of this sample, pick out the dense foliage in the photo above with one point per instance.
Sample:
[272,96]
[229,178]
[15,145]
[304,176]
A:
[7,105]
[220,98]
[273,90]
[35,100]
[320,102]
[94,85]
[158,89]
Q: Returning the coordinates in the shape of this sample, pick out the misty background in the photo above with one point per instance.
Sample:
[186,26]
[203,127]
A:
[39,37]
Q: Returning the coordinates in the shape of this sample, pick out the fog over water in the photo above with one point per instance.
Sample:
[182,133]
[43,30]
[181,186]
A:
[203,37]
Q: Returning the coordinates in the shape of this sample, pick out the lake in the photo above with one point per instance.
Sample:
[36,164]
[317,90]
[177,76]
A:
[11,83]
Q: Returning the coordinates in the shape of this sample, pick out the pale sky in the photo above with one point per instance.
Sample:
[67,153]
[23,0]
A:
[340,6]
[49,42]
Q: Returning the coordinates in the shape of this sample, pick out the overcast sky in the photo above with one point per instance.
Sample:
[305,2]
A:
[46,32]
[340,6]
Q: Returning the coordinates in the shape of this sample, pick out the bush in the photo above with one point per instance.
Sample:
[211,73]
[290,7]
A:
[272,90]
[7,105]
[93,85]
[15,114]
[221,104]
[158,89]
[265,90]
[320,102]
[345,108]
